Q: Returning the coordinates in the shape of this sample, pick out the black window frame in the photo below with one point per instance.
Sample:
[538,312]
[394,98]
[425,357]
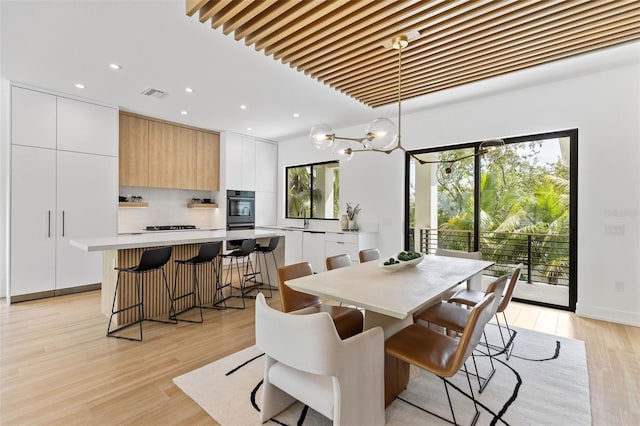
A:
[311,185]
[572,134]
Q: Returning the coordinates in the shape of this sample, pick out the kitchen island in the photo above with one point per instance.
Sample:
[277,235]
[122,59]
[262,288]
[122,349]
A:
[125,251]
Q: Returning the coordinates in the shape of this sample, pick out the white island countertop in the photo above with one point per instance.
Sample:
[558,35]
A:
[170,239]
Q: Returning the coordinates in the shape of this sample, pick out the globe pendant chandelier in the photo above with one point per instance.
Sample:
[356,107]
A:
[383,136]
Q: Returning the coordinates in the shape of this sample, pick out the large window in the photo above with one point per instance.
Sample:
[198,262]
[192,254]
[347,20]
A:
[313,191]
[519,208]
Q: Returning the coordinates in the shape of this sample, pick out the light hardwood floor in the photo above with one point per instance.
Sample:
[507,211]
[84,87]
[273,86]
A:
[58,368]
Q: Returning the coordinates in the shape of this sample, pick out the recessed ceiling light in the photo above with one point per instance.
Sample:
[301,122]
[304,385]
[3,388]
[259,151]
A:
[115,66]
[188,90]
[243,107]
[80,86]
[296,115]
[183,112]
[249,129]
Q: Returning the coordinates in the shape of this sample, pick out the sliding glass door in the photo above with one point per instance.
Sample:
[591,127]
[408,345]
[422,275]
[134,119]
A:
[518,208]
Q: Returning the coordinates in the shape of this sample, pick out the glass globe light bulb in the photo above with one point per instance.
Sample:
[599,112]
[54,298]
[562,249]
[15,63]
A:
[342,151]
[321,136]
[381,134]
[446,173]
[492,149]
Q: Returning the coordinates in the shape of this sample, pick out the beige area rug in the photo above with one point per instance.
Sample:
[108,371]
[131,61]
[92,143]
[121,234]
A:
[544,382]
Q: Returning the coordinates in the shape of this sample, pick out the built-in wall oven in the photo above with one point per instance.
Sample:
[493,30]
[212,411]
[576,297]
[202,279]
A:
[241,210]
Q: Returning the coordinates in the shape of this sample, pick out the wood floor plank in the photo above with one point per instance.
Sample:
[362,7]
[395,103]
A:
[58,368]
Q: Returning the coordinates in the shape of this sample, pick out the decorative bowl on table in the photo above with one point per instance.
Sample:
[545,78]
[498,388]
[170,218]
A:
[404,259]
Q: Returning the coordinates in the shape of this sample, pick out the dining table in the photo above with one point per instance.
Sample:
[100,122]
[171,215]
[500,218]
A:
[391,296]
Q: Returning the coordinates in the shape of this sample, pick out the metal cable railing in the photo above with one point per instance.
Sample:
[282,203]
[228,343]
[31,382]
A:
[545,256]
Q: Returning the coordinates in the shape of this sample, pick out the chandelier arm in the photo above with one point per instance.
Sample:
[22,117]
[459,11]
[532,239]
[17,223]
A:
[359,140]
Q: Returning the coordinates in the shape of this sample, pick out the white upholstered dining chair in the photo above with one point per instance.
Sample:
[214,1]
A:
[306,360]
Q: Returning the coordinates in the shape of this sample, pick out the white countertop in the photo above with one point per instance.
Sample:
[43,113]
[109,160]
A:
[154,239]
[320,230]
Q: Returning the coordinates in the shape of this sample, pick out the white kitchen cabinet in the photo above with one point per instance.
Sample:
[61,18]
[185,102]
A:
[313,250]
[233,161]
[87,127]
[292,247]
[266,167]
[58,194]
[86,192]
[349,243]
[265,208]
[33,118]
[248,164]
[33,220]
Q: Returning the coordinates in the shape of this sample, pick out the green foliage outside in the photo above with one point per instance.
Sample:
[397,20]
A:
[518,197]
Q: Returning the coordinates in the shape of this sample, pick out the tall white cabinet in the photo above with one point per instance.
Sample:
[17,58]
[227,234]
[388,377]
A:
[64,184]
[252,165]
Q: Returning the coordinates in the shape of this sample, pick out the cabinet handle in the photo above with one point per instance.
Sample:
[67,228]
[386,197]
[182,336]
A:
[63,223]
[49,225]
[340,242]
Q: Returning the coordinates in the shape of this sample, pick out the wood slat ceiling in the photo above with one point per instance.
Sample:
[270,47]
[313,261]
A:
[346,43]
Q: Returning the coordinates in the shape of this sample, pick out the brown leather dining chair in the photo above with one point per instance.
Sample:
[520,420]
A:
[338,261]
[348,321]
[440,354]
[471,297]
[453,318]
[368,255]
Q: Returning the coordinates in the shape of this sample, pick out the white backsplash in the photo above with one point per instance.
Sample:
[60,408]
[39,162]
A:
[169,207]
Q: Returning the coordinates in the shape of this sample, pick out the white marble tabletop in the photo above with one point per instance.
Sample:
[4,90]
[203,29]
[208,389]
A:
[170,239]
[395,294]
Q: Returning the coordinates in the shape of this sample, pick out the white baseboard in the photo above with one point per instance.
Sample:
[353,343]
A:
[611,315]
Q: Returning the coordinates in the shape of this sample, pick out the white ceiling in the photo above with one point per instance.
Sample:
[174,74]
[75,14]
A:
[56,44]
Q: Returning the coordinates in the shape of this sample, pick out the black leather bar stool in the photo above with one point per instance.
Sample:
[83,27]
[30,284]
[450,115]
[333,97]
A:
[150,261]
[207,253]
[244,269]
[265,250]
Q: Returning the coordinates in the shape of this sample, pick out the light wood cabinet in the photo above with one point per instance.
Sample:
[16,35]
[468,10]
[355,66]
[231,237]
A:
[177,156]
[208,162]
[134,151]
[186,157]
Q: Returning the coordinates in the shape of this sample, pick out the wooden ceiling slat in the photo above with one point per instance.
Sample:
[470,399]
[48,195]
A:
[233,9]
[269,15]
[341,43]
[425,45]
[516,54]
[234,22]
[363,23]
[271,27]
[381,33]
[313,17]
[506,56]
[211,8]
[194,5]
[496,71]
[347,12]
[447,56]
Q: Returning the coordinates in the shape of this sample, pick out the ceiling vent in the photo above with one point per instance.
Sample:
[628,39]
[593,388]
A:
[154,93]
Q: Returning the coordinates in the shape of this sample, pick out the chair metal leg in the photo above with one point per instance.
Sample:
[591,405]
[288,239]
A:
[217,296]
[473,397]
[194,293]
[137,306]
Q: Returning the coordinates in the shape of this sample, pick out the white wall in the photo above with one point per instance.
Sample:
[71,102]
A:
[603,103]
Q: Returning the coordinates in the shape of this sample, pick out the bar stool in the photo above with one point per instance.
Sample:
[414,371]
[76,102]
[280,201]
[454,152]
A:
[206,254]
[150,260]
[264,250]
[242,255]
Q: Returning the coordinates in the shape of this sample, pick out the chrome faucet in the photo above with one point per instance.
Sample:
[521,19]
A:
[305,221]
